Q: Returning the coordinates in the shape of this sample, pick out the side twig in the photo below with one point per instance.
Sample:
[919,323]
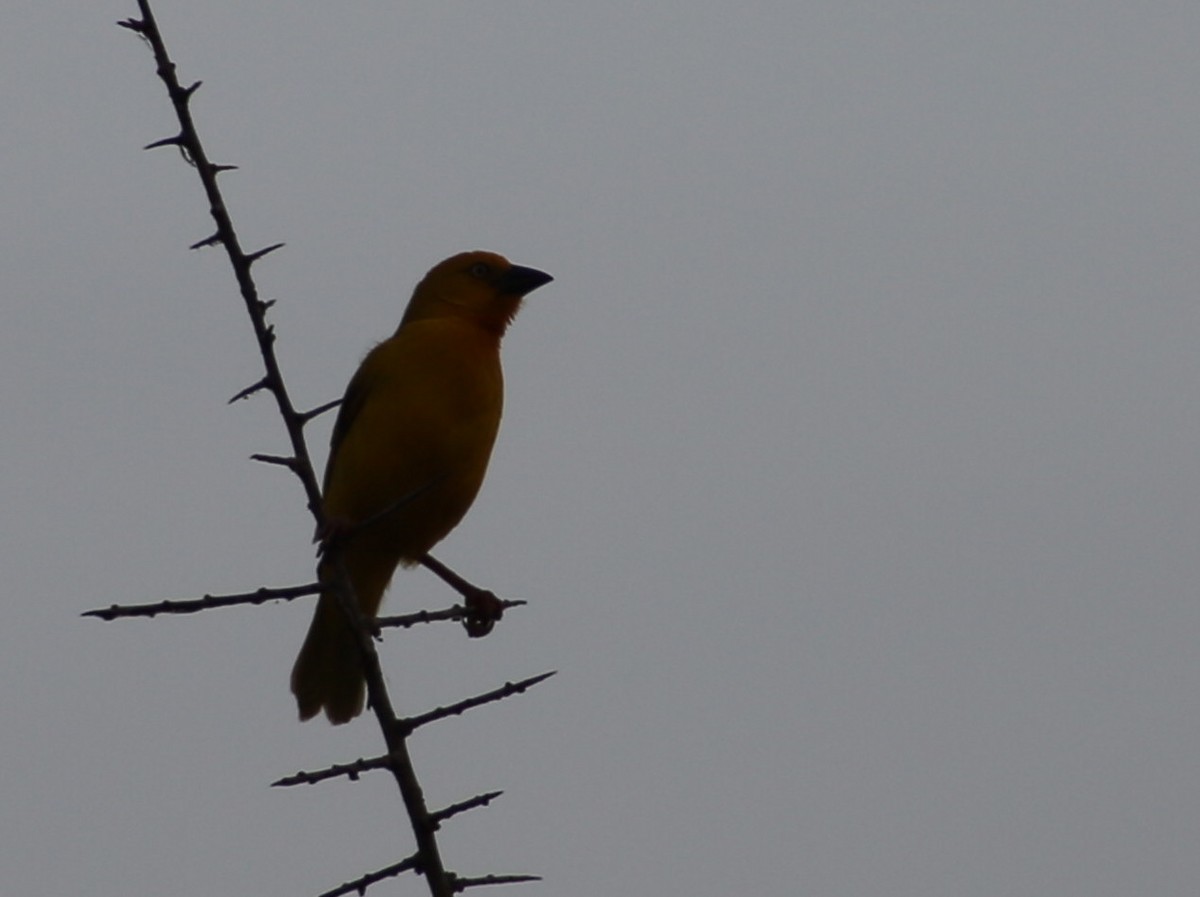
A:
[459,707]
[208,602]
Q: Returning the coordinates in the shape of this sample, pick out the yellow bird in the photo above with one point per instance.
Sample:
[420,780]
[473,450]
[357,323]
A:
[409,451]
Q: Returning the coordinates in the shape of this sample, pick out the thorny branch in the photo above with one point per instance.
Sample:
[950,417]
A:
[427,860]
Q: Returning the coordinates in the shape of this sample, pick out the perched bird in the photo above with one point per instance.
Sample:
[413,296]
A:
[408,454]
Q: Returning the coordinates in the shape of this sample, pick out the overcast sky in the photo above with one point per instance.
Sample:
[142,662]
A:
[848,466]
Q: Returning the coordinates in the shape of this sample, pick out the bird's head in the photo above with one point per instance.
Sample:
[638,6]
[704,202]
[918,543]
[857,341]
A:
[481,286]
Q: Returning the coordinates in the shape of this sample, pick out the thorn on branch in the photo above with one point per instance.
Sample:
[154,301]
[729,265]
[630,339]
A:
[208,241]
[461,884]
[250,390]
[319,410]
[255,256]
[217,169]
[136,25]
[280,460]
[177,140]
[189,90]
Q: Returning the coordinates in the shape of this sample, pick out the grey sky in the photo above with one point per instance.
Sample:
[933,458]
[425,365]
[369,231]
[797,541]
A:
[848,465]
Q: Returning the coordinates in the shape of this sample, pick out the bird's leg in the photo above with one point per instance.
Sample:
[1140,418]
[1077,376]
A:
[483,607]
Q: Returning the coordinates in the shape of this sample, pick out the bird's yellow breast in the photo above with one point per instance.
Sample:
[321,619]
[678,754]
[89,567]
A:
[428,406]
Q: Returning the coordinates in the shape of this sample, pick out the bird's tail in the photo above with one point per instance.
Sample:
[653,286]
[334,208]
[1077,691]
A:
[328,674]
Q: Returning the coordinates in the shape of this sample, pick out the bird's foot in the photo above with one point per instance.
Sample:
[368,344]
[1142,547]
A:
[483,610]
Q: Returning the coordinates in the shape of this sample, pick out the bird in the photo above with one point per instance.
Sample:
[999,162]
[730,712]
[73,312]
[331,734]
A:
[408,455]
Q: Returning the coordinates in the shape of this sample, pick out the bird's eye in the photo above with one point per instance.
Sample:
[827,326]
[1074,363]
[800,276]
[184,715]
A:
[480,270]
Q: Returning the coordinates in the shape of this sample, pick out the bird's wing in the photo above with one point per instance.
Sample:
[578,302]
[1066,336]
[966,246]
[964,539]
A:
[352,403]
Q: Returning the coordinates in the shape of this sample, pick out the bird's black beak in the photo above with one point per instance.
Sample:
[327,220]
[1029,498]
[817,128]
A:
[519,280]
